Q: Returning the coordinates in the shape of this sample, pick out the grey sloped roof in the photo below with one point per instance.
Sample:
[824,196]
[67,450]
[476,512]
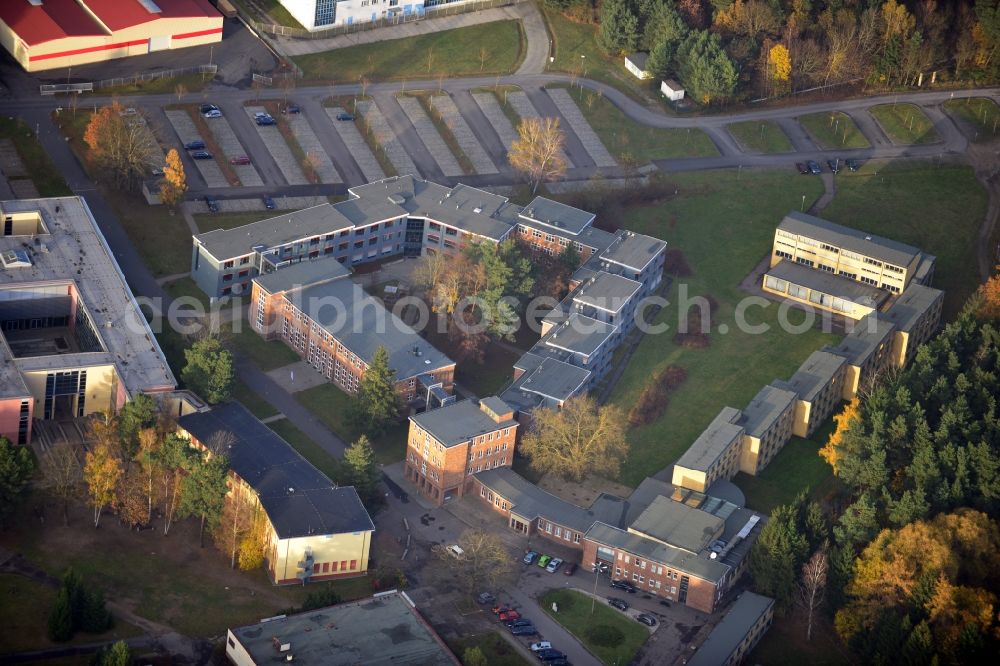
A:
[884,249]
[302,274]
[868,334]
[299,499]
[632,250]
[552,378]
[606,291]
[579,334]
[828,283]
[678,525]
[556,215]
[765,408]
[730,632]
[713,441]
[815,373]
[362,325]
[277,230]
[909,306]
[676,558]
[458,422]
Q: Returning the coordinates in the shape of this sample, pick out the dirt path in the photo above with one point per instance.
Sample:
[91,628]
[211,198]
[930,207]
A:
[985,161]
[829,182]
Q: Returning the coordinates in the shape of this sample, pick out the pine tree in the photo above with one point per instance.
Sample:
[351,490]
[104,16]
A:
[16,468]
[376,404]
[94,615]
[209,370]
[362,469]
[776,556]
[203,492]
[135,415]
[61,618]
[118,654]
[619,32]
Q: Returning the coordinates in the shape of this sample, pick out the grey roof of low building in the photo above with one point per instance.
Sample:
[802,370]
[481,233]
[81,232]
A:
[579,334]
[678,524]
[868,334]
[495,404]
[362,325]
[529,501]
[675,558]
[716,439]
[766,408]
[299,499]
[673,85]
[274,231]
[556,215]
[606,291]
[877,247]
[553,379]
[302,274]
[813,375]
[458,422]
[828,283]
[639,59]
[905,311]
[727,636]
[633,250]
[589,237]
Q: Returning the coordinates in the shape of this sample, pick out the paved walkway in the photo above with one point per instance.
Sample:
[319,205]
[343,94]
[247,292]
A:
[588,137]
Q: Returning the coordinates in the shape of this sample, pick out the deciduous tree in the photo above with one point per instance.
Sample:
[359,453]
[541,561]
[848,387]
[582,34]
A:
[581,438]
[537,152]
[135,415]
[988,307]
[842,421]
[62,475]
[16,468]
[102,472]
[484,564]
[209,370]
[779,67]
[203,491]
[172,459]
[118,145]
[174,183]
[812,587]
[253,543]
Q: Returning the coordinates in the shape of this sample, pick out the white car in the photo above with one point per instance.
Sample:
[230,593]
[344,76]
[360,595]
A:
[213,113]
[541,645]
[553,565]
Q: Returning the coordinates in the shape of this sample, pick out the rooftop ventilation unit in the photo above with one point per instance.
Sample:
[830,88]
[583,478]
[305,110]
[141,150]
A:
[15,259]
[149,6]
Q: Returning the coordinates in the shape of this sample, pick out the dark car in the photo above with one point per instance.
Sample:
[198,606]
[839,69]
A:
[524,630]
[570,569]
[291,108]
[268,203]
[549,655]
[646,619]
[815,168]
[213,204]
[343,115]
[853,165]
[240,159]
[834,165]
[205,108]
[664,602]
[194,145]
[559,661]
[519,622]
[622,585]
[486,598]
[620,604]
[803,169]
[265,120]
[201,155]
[529,557]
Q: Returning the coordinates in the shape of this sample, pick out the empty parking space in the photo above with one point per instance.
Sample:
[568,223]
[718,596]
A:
[432,139]
[467,141]
[490,106]
[276,145]
[313,149]
[231,147]
[187,132]
[523,107]
[387,138]
[588,137]
[356,145]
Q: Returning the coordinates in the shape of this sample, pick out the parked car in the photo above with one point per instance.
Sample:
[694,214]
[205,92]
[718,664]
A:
[623,585]
[212,203]
[646,619]
[570,569]
[561,661]
[550,655]
[529,557]
[214,113]
[291,108]
[814,168]
[268,202]
[620,604]
[510,616]
[664,602]
[456,551]
[500,609]
[197,144]
[485,598]
[834,165]
[541,645]
[262,118]
[239,159]
[520,622]
[853,165]
[343,115]
[524,630]
[802,167]
[554,565]
[201,155]
[544,560]
[205,108]
[156,171]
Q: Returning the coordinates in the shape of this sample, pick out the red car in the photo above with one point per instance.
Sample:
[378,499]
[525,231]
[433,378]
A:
[509,616]
[500,609]
[570,569]
[241,159]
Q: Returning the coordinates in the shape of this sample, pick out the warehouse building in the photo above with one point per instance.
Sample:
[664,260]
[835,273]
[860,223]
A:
[52,34]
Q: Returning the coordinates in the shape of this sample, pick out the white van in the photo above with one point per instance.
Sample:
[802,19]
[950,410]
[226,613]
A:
[456,551]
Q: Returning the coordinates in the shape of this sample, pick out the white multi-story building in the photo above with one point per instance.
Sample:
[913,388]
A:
[323,14]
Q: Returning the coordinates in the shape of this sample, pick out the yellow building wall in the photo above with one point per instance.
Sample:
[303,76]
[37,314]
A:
[325,548]
[857,311]
[750,454]
[800,424]
[852,382]
[102,385]
[689,478]
[900,345]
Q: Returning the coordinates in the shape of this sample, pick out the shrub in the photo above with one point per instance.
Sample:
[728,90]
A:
[325,596]
[675,263]
[605,635]
[656,396]
[61,618]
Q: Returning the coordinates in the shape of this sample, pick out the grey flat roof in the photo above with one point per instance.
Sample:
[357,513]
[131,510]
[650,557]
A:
[556,215]
[458,422]
[274,231]
[909,306]
[728,634]
[11,382]
[302,274]
[362,325]
[554,379]
[606,291]
[529,501]
[74,251]
[765,408]
[678,525]
[579,334]
[864,339]
[380,631]
[884,249]
[299,499]
[828,283]
[714,441]
[676,558]
[633,250]
[673,85]
[814,374]
[495,404]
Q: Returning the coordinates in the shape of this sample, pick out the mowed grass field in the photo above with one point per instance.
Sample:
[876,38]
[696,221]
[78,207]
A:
[596,630]
[37,165]
[760,136]
[979,117]
[904,123]
[448,53]
[833,130]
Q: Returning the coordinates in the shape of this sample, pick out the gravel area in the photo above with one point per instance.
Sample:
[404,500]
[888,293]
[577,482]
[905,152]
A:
[311,146]
[356,145]
[523,107]
[232,147]
[276,145]
[588,137]
[490,107]
[470,145]
[186,131]
[387,139]
[429,134]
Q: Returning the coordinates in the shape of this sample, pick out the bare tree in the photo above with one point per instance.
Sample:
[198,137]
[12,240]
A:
[537,152]
[812,587]
[484,563]
[180,90]
[484,55]
[62,475]
[429,270]
[119,144]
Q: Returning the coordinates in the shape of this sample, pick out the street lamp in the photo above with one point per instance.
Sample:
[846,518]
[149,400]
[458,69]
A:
[593,599]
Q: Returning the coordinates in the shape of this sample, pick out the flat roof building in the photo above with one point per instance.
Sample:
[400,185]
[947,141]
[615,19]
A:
[739,632]
[714,455]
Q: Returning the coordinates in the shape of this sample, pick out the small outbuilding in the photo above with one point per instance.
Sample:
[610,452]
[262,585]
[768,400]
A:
[636,63]
[672,90]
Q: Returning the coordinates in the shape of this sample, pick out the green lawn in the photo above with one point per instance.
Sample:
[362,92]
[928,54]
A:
[936,208]
[833,130]
[37,164]
[448,53]
[332,406]
[273,8]
[212,221]
[724,223]
[761,136]
[904,123]
[597,630]
[257,405]
[192,83]
[622,135]
[266,354]
[309,449]
[979,116]
[797,467]
[498,652]
[187,288]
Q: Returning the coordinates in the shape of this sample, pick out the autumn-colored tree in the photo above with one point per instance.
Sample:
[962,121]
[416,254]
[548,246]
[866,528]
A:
[254,541]
[469,340]
[119,145]
[174,183]
[129,500]
[749,18]
[779,67]
[581,438]
[149,446]
[172,460]
[989,293]
[843,421]
[102,472]
[62,475]
[484,564]
[537,152]
[235,522]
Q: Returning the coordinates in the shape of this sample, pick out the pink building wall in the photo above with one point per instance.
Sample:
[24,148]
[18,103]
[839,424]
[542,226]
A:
[10,417]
